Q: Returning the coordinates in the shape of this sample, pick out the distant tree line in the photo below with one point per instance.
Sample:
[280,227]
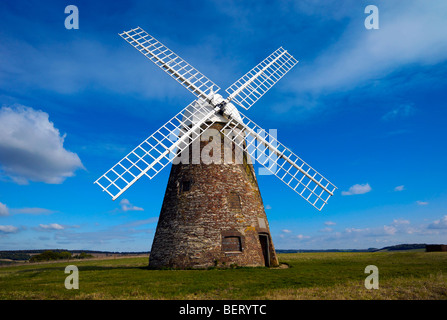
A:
[405,246]
[43,255]
[83,255]
[58,255]
[399,247]
[14,255]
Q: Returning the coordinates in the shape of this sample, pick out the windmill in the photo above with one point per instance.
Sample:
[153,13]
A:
[213,213]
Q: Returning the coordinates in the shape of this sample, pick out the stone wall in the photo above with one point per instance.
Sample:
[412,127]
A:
[212,214]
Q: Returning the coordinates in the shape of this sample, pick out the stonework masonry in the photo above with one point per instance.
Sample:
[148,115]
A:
[212,214]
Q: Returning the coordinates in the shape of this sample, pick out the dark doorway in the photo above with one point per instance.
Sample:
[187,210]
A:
[264,240]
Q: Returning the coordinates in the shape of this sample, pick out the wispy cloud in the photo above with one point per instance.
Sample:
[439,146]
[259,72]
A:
[399,112]
[125,231]
[400,221]
[32,211]
[369,62]
[51,226]
[422,203]
[4,211]
[8,229]
[411,36]
[70,67]
[399,230]
[399,188]
[127,206]
[439,224]
[357,189]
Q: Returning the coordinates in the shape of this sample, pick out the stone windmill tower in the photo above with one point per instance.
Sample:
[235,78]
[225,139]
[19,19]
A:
[212,211]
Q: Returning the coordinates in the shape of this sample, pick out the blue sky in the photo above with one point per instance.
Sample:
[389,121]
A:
[364,107]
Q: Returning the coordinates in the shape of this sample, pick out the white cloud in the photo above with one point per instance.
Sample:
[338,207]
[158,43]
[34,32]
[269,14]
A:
[411,33]
[32,149]
[357,189]
[400,221]
[439,224]
[397,227]
[268,207]
[4,211]
[421,203]
[52,226]
[356,230]
[34,211]
[390,230]
[69,67]
[122,232]
[399,188]
[398,231]
[127,206]
[8,229]
[330,223]
[286,231]
[370,232]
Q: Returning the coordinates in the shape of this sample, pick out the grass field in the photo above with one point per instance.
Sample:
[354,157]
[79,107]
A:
[402,275]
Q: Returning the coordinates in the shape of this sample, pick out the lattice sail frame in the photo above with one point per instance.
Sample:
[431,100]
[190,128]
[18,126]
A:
[158,150]
[280,161]
[255,83]
[170,62]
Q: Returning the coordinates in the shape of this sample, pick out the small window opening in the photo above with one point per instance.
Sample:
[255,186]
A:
[234,202]
[231,243]
[185,185]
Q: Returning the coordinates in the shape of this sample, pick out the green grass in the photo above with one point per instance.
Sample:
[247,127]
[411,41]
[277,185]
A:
[402,275]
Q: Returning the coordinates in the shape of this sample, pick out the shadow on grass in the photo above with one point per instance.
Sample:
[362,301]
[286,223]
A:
[145,267]
[105,268]
[84,268]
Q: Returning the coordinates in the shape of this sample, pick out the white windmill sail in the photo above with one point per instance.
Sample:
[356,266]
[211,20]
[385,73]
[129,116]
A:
[170,62]
[255,83]
[158,150]
[279,160]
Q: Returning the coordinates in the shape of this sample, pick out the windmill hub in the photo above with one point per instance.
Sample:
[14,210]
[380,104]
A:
[214,212]
[220,111]
[219,102]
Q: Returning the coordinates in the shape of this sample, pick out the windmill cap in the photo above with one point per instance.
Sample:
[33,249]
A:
[192,114]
